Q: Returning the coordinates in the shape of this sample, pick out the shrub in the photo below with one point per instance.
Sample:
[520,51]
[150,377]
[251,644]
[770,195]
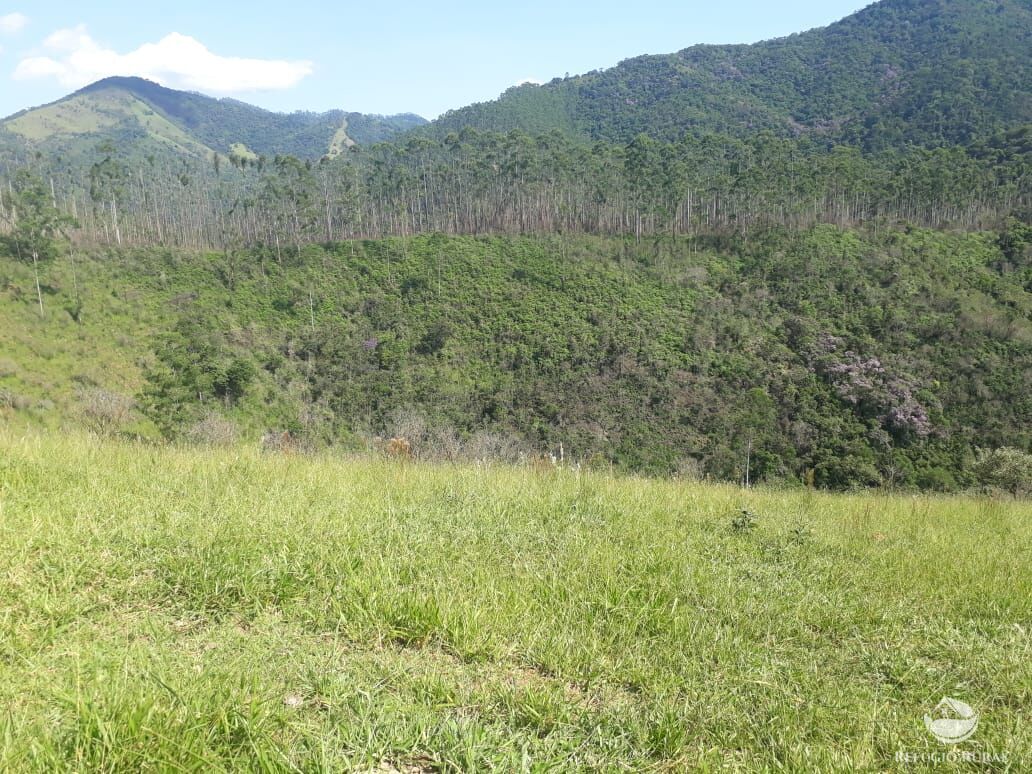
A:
[743,521]
[105,412]
[399,449]
[212,430]
[408,425]
[486,445]
[1005,468]
[281,441]
[13,400]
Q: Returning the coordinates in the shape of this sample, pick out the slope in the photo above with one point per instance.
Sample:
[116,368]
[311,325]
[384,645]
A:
[933,73]
[850,357]
[151,118]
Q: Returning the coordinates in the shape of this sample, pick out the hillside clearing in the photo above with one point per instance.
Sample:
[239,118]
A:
[195,609]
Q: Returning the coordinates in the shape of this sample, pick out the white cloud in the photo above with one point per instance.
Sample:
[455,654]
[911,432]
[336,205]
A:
[13,22]
[177,61]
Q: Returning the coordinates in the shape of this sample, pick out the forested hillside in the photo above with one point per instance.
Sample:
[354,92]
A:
[939,72]
[804,261]
[222,123]
[906,111]
[845,358]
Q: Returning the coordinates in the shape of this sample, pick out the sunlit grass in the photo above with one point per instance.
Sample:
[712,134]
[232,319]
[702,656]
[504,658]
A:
[172,609]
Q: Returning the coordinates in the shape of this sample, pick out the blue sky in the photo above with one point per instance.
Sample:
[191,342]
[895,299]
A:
[396,57]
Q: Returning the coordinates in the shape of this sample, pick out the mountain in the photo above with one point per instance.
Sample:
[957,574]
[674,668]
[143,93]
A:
[932,72]
[153,119]
[927,72]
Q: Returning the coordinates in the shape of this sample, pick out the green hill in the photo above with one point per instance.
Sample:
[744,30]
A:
[145,118]
[847,357]
[933,73]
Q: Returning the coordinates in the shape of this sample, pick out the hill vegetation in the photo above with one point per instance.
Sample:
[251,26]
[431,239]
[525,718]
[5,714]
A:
[636,319]
[804,306]
[834,357]
[219,123]
[949,72]
[143,118]
[906,111]
[477,183]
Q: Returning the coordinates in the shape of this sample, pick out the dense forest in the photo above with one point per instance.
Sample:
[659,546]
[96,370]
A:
[930,73]
[833,356]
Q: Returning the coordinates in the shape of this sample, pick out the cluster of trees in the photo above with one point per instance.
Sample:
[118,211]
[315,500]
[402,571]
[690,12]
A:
[842,357]
[824,356]
[478,182]
[33,223]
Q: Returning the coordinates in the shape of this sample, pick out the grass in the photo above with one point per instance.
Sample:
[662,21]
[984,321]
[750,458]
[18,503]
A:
[91,113]
[205,610]
[77,115]
[45,362]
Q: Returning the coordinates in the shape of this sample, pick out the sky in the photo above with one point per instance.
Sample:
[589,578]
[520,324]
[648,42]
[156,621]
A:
[397,57]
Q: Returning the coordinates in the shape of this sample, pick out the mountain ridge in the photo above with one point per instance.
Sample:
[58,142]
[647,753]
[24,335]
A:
[933,73]
[898,73]
[200,125]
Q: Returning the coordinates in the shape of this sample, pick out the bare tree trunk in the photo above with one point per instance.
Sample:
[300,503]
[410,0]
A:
[39,291]
[114,219]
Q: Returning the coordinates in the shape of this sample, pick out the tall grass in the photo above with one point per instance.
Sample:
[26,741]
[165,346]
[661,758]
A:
[205,610]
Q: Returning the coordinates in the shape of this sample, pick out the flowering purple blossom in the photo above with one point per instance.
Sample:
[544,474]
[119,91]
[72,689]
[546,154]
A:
[864,382]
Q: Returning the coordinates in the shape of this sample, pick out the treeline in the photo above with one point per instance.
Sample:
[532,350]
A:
[474,182]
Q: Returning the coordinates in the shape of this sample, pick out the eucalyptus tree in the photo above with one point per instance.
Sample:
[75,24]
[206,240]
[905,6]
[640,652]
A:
[35,223]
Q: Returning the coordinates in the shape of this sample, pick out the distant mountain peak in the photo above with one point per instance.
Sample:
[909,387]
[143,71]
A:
[158,118]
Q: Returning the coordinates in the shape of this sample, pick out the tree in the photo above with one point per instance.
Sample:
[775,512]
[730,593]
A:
[1006,468]
[35,223]
[108,180]
[754,417]
[192,368]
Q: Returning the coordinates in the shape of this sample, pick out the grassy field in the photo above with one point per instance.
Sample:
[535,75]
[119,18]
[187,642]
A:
[205,610]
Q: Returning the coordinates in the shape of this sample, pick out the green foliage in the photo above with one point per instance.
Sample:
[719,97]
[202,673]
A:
[1016,242]
[744,521]
[838,357]
[193,368]
[897,72]
[1006,468]
[35,223]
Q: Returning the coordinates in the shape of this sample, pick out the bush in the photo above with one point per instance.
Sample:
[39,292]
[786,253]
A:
[212,430]
[497,447]
[13,400]
[399,449]
[1005,468]
[105,412]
